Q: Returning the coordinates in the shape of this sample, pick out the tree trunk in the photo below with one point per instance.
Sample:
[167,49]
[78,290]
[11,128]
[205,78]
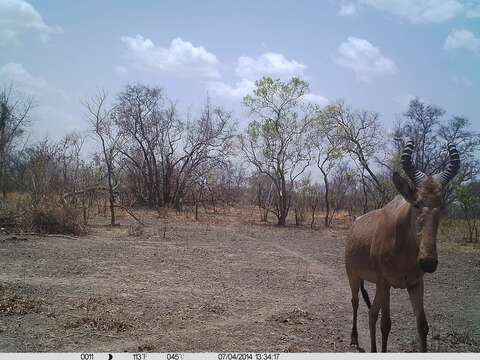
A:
[111,197]
[365,195]
[312,223]
[84,211]
[3,180]
[327,198]
[283,204]
[111,191]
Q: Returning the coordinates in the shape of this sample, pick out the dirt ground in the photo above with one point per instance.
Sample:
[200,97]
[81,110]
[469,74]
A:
[224,283]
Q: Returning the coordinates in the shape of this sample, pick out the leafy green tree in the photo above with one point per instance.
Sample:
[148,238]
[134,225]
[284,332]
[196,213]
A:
[276,141]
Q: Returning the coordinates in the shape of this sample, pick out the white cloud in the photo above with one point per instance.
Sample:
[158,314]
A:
[472,9]
[18,17]
[35,86]
[347,9]
[270,63]
[404,100]
[248,70]
[180,59]
[236,92]
[244,87]
[24,81]
[120,70]
[461,80]
[52,108]
[364,59]
[317,99]
[462,39]
[420,11]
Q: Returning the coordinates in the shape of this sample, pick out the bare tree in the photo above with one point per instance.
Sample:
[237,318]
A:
[70,153]
[103,127]
[312,194]
[361,136]
[138,115]
[264,194]
[299,200]
[276,141]
[469,201]
[14,118]
[457,131]
[43,173]
[421,123]
[207,145]
[329,153]
[170,136]
[424,123]
[342,182]
[164,150]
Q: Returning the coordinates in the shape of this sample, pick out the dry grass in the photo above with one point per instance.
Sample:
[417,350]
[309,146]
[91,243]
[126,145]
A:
[99,323]
[455,230]
[136,230]
[292,347]
[462,336]
[15,198]
[18,305]
[48,217]
[452,236]
[147,347]
[97,314]
[15,301]
[226,282]
[460,247]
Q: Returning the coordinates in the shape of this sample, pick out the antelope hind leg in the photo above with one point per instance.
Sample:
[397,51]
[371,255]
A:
[373,314]
[386,322]
[354,286]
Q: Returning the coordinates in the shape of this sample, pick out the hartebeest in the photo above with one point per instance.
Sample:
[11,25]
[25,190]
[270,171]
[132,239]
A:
[395,245]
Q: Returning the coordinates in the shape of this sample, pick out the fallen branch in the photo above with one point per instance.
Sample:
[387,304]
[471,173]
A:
[45,235]
[130,213]
[87,190]
[83,191]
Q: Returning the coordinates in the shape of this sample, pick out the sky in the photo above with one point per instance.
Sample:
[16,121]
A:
[373,54]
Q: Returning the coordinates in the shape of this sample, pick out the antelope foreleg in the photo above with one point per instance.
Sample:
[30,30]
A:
[416,298]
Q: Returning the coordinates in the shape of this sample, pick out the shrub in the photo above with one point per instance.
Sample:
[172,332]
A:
[8,217]
[62,220]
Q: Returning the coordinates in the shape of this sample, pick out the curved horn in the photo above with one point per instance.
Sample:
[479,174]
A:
[452,168]
[416,175]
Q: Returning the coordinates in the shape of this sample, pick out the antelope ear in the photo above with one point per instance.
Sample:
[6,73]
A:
[403,187]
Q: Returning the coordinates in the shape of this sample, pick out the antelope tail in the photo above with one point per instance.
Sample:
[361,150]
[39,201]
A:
[365,294]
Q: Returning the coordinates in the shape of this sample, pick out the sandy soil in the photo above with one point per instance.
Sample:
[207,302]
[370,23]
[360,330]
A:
[224,283]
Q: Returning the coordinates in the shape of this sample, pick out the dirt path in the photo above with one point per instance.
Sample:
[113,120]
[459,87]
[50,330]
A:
[187,286]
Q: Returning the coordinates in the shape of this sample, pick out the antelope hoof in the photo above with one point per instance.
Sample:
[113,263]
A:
[355,347]
[354,344]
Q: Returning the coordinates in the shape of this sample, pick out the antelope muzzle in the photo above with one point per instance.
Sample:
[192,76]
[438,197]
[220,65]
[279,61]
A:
[428,264]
